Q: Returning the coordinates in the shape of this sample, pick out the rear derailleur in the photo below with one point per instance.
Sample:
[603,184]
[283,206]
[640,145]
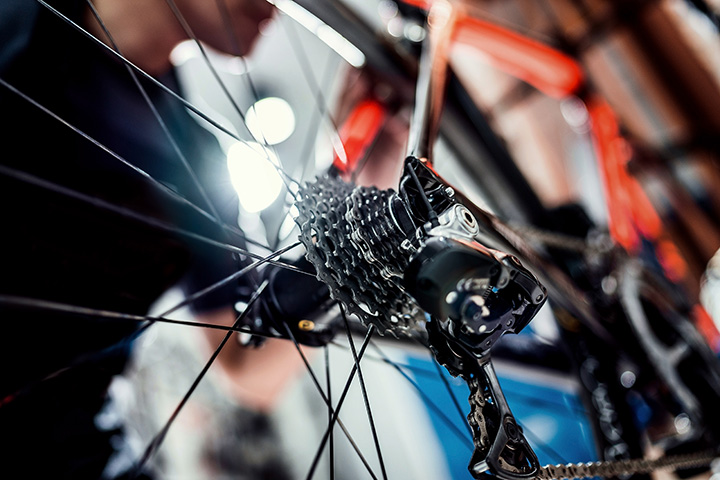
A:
[409,263]
[474,295]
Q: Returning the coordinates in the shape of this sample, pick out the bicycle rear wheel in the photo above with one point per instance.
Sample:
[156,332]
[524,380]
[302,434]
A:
[199,225]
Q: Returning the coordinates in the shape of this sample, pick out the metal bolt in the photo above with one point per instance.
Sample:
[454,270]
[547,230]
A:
[609,285]
[682,423]
[627,379]
[407,245]
[306,325]
[512,431]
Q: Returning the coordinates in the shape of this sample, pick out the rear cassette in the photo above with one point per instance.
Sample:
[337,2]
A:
[354,244]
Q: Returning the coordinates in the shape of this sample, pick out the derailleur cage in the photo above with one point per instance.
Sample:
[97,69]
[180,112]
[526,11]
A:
[474,295]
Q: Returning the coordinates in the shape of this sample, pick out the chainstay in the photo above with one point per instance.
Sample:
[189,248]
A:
[550,238]
[615,468]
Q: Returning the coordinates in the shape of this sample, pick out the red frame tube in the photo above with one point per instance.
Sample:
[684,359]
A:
[550,71]
[358,132]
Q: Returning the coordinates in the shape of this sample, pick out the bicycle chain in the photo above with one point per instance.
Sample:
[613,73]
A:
[616,468]
[351,241]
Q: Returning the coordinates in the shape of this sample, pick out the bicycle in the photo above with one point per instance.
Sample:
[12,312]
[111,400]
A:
[426,193]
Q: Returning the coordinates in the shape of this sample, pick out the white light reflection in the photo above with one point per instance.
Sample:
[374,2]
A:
[337,42]
[255,179]
[330,37]
[188,50]
[271,120]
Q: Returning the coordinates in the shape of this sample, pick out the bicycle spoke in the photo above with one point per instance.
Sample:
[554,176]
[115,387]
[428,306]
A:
[157,83]
[160,85]
[412,368]
[314,122]
[325,437]
[183,159]
[160,437]
[314,86]
[186,27]
[142,72]
[230,278]
[363,389]
[231,35]
[156,184]
[428,401]
[305,361]
[189,32]
[147,220]
[91,357]
[60,307]
[362,162]
[85,359]
[331,445]
[326,399]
